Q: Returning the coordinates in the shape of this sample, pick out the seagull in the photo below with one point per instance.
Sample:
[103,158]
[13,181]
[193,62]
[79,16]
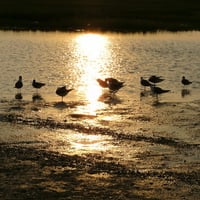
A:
[155,79]
[19,83]
[113,84]
[37,85]
[144,82]
[157,90]
[62,91]
[185,81]
[102,83]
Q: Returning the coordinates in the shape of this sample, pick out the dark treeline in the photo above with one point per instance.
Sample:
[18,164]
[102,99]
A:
[105,15]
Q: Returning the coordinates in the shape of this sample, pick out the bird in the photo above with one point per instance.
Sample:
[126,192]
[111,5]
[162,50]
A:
[62,91]
[185,81]
[155,79]
[113,84]
[37,85]
[157,90]
[145,83]
[19,83]
[102,83]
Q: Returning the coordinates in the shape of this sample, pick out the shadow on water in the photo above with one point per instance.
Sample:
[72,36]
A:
[157,103]
[61,105]
[154,100]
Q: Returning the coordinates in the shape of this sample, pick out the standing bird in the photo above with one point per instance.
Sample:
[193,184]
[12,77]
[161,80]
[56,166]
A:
[37,85]
[185,81]
[145,83]
[155,79]
[113,84]
[62,91]
[19,83]
[157,90]
[102,83]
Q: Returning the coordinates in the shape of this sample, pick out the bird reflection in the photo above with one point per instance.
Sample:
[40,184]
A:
[109,98]
[185,92]
[37,97]
[18,96]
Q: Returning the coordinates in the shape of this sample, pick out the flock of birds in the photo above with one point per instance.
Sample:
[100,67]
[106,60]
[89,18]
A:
[153,80]
[111,83]
[60,91]
[157,79]
[114,85]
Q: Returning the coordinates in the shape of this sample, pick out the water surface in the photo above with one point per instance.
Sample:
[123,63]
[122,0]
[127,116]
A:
[77,60]
[136,145]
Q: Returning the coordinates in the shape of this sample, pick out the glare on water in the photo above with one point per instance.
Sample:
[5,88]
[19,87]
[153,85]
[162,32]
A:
[91,51]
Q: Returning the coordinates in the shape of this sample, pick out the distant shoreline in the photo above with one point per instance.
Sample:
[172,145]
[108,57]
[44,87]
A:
[95,29]
[98,15]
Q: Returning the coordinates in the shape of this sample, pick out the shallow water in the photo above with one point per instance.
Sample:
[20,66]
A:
[77,59]
[114,123]
[137,145]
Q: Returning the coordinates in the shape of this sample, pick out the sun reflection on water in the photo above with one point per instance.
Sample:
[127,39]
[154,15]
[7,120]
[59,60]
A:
[91,45]
[91,143]
[92,60]
[77,143]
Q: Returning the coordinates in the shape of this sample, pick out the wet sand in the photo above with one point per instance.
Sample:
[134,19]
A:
[166,166]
